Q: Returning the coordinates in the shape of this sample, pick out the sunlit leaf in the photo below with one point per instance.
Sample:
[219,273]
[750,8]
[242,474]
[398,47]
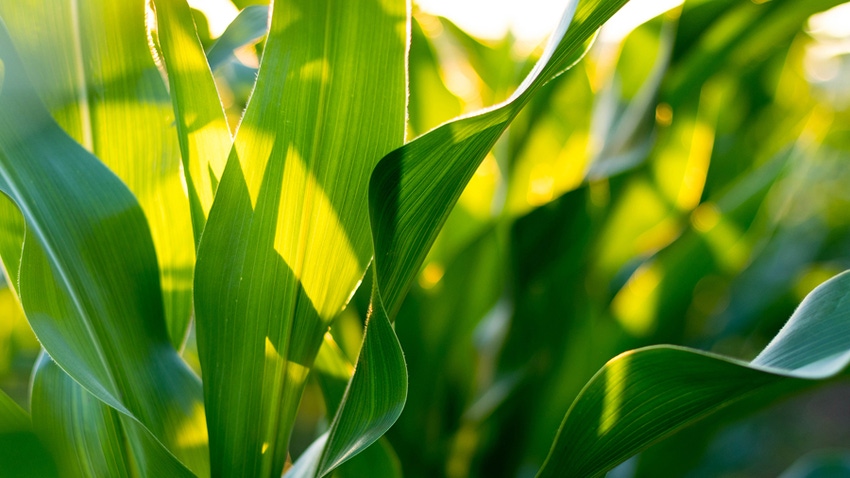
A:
[87,278]
[205,138]
[91,65]
[287,239]
[414,188]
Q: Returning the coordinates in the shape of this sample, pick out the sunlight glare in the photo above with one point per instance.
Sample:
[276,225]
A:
[219,13]
[531,21]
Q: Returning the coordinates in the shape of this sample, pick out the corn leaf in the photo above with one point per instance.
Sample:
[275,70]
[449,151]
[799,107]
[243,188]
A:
[86,273]
[411,193]
[205,139]
[644,395]
[333,371]
[86,437]
[287,239]
[22,454]
[90,63]
[414,188]
[375,395]
[249,26]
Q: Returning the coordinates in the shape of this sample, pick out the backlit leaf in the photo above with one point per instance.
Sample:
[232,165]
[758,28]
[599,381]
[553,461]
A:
[287,239]
[90,64]
[87,278]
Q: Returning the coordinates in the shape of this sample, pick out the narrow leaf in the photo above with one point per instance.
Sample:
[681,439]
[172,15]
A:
[375,395]
[333,371]
[643,396]
[287,239]
[205,139]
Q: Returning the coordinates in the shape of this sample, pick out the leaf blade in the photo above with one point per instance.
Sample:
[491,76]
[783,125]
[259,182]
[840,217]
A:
[204,135]
[287,238]
[94,71]
[86,245]
[86,437]
[642,396]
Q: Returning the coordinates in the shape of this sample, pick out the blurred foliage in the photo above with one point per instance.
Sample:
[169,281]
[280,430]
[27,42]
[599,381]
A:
[686,185]
[682,186]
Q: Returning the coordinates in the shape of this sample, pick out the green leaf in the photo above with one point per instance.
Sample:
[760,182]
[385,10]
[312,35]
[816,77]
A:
[90,63]
[741,36]
[205,139]
[643,396]
[411,193]
[87,277]
[250,25]
[414,188]
[375,395]
[624,127]
[21,452]
[287,239]
[86,437]
[333,371]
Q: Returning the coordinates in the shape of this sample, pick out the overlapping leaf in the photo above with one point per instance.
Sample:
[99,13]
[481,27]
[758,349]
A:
[333,371]
[86,437]
[411,193]
[87,273]
[287,239]
[645,395]
[202,127]
[414,188]
[90,63]
[249,26]
[22,454]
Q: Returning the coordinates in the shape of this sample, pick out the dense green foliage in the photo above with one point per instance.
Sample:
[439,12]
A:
[388,248]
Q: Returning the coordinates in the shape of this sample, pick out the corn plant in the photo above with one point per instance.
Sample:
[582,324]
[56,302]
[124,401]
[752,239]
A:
[137,218]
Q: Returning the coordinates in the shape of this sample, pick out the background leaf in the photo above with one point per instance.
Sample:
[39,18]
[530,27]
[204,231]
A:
[249,26]
[644,395]
[21,452]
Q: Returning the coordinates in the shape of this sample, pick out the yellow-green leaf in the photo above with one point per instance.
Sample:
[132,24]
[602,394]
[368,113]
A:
[287,239]
[205,139]
[90,63]
[87,274]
